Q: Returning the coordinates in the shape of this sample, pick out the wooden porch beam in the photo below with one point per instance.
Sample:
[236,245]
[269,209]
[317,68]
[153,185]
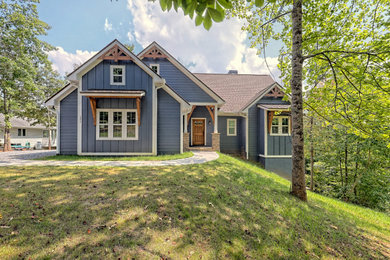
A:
[211,112]
[139,110]
[189,115]
[114,96]
[270,118]
[92,101]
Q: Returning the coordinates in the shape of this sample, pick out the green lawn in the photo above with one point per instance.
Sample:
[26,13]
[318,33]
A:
[117,158]
[225,209]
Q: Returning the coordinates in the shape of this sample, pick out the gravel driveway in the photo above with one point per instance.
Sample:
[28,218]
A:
[24,158]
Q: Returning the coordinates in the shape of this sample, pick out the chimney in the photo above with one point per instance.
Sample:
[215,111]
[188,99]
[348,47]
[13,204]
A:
[233,72]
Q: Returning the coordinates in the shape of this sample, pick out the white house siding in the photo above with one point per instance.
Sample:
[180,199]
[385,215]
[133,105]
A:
[33,136]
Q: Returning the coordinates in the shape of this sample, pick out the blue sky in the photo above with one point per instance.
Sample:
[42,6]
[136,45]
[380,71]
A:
[79,24]
[80,28]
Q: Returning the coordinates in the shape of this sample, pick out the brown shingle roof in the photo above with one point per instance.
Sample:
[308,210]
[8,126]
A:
[238,90]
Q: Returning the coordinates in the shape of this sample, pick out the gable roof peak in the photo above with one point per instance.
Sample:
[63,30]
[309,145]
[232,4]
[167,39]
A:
[183,69]
[115,50]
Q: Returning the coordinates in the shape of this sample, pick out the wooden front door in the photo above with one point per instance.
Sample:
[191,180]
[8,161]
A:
[198,131]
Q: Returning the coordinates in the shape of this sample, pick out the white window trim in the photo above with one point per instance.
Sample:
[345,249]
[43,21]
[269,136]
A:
[112,67]
[235,126]
[158,67]
[280,126]
[110,124]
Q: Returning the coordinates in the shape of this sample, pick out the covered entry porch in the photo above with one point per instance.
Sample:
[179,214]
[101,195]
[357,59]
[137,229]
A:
[201,128]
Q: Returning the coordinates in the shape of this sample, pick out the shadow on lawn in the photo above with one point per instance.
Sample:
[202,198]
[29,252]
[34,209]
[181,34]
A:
[215,210]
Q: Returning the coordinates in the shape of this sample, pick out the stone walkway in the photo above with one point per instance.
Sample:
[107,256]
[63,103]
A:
[24,158]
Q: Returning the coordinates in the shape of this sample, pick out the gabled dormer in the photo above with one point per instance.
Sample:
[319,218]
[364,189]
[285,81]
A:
[177,76]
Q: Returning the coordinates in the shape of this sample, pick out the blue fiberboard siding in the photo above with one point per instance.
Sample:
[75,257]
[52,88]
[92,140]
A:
[279,145]
[179,82]
[253,133]
[281,166]
[230,144]
[202,112]
[260,139]
[68,124]
[168,124]
[99,79]
[243,133]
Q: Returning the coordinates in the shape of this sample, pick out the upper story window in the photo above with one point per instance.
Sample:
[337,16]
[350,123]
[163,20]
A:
[280,125]
[116,124]
[117,75]
[155,68]
[232,127]
[21,132]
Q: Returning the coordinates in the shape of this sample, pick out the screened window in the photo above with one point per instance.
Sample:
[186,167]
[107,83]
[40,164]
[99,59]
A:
[280,125]
[155,68]
[103,124]
[232,127]
[21,132]
[117,124]
[117,75]
[131,125]
[45,133]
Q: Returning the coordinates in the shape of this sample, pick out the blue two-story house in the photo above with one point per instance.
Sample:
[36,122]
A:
[121,104]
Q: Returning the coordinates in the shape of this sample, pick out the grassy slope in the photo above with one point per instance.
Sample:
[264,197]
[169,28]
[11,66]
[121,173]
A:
[223,209]
[117,158]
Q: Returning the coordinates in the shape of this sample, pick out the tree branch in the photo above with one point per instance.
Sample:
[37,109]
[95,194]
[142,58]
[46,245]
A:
[275,18]
[345,52]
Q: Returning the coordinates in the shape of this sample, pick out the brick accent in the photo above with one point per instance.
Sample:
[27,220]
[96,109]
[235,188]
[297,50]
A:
[186,142]
[216,141]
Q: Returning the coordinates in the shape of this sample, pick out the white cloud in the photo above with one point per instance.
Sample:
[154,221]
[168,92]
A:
[64,61]
[107,26]
[218,50]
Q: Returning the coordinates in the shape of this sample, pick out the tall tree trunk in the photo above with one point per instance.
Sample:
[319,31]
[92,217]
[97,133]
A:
[346,163]
[298,159]
[356,168]
[311,154]
[341,170]
[7,124]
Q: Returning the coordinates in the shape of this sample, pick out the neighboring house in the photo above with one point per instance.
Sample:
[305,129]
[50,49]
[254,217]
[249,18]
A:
[23,132]
[118,103]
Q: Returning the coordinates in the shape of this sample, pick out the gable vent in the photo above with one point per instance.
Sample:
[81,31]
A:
[233,72]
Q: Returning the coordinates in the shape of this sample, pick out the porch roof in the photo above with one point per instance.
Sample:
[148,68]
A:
[113,93]
[274,106]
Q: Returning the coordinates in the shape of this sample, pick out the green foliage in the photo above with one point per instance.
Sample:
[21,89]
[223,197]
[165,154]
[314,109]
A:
[204,11]
[347,166]
[26,76]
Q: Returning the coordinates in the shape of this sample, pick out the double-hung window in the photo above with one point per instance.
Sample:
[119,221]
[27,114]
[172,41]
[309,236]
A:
[155,68]
[232,127]
[21,132]
[280,125]
[117,75]
[114,124]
